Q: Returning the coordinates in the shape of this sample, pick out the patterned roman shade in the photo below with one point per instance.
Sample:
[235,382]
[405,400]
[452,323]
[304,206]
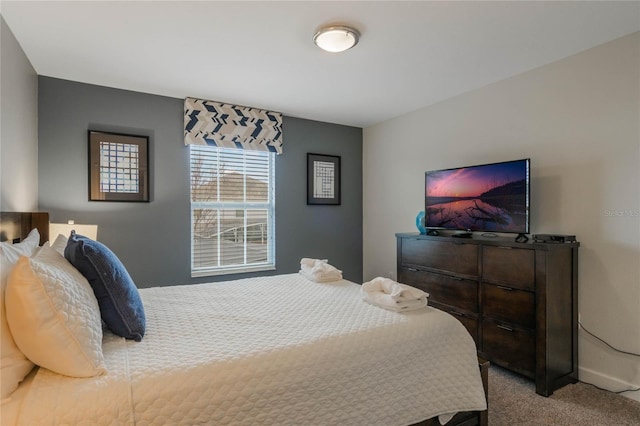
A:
[231,126]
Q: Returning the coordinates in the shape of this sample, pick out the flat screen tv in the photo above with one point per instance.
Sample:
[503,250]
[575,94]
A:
[487,197]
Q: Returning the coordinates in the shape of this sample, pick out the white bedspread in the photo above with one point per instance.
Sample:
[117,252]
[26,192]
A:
[272,350]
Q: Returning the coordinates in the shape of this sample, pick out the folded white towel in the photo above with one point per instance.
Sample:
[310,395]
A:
[307,264]
[311,262]
[383,301]
[315,267]
[395,290]
[389,294]
[320,278]
[319,270]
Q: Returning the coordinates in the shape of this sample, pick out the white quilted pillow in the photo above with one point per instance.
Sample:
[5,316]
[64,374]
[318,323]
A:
[26,247]
[60,244]
[54,315]
[15,366]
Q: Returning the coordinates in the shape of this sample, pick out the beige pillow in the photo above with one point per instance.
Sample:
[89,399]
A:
[54,315]
[15,366]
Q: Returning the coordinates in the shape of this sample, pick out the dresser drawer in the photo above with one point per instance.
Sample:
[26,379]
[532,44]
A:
[508,346]
[509,304]
[441,255]
[451,291]
[507,265]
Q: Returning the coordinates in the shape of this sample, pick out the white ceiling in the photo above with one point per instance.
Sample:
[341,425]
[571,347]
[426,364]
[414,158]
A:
[411,54]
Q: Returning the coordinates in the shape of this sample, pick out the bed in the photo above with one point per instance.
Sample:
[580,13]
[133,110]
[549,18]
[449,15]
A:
[269,350]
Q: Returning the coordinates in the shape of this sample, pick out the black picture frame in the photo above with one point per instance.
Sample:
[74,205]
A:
[118,167]
[323,179]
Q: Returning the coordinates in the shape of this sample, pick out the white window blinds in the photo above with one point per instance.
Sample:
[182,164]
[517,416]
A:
[232,210]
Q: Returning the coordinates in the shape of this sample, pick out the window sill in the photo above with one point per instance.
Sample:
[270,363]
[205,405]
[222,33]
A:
[231,270]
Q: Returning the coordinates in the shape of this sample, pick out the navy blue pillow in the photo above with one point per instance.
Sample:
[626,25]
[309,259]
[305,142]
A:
[120,304]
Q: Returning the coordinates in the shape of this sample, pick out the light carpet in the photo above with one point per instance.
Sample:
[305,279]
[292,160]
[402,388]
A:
[513,401]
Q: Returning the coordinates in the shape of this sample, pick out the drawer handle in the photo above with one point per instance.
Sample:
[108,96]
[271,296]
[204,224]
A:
[458,314]
[504,288]
[413,269]
[504,327]
[505,247]
[456,278]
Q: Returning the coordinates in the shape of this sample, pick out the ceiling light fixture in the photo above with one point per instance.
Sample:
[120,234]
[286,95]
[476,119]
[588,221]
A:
[336,38]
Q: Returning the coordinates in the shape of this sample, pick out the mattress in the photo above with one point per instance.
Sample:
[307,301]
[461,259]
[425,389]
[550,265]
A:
[272,351]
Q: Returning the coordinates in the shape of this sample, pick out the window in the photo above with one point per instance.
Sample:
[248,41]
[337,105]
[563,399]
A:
[232,210]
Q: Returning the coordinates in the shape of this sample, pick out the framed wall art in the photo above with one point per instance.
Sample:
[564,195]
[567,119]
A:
[118,167]
[323,179]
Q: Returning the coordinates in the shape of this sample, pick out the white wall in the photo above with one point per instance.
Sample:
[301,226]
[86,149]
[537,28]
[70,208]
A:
[579,121]
[18,126]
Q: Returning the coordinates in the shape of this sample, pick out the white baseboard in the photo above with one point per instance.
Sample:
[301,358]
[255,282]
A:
[607,382]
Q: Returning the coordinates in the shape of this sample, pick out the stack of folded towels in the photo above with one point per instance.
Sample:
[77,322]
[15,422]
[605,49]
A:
[319,270]
[391,295]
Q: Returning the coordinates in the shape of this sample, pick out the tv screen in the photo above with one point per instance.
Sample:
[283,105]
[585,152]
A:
[488,197]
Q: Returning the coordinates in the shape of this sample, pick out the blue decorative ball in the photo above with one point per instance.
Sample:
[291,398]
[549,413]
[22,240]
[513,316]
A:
[420,223]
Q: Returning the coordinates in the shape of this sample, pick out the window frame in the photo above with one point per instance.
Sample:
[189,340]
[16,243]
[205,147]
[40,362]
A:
[233,207]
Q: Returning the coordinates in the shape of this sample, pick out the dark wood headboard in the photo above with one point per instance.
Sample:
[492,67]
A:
[15,226]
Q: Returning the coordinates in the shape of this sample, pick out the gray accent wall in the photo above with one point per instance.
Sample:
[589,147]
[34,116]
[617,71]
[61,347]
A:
[153,239]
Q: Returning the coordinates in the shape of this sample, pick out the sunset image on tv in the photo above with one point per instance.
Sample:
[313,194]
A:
[490,197]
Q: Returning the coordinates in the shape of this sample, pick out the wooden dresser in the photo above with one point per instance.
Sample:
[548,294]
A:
[519,301]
